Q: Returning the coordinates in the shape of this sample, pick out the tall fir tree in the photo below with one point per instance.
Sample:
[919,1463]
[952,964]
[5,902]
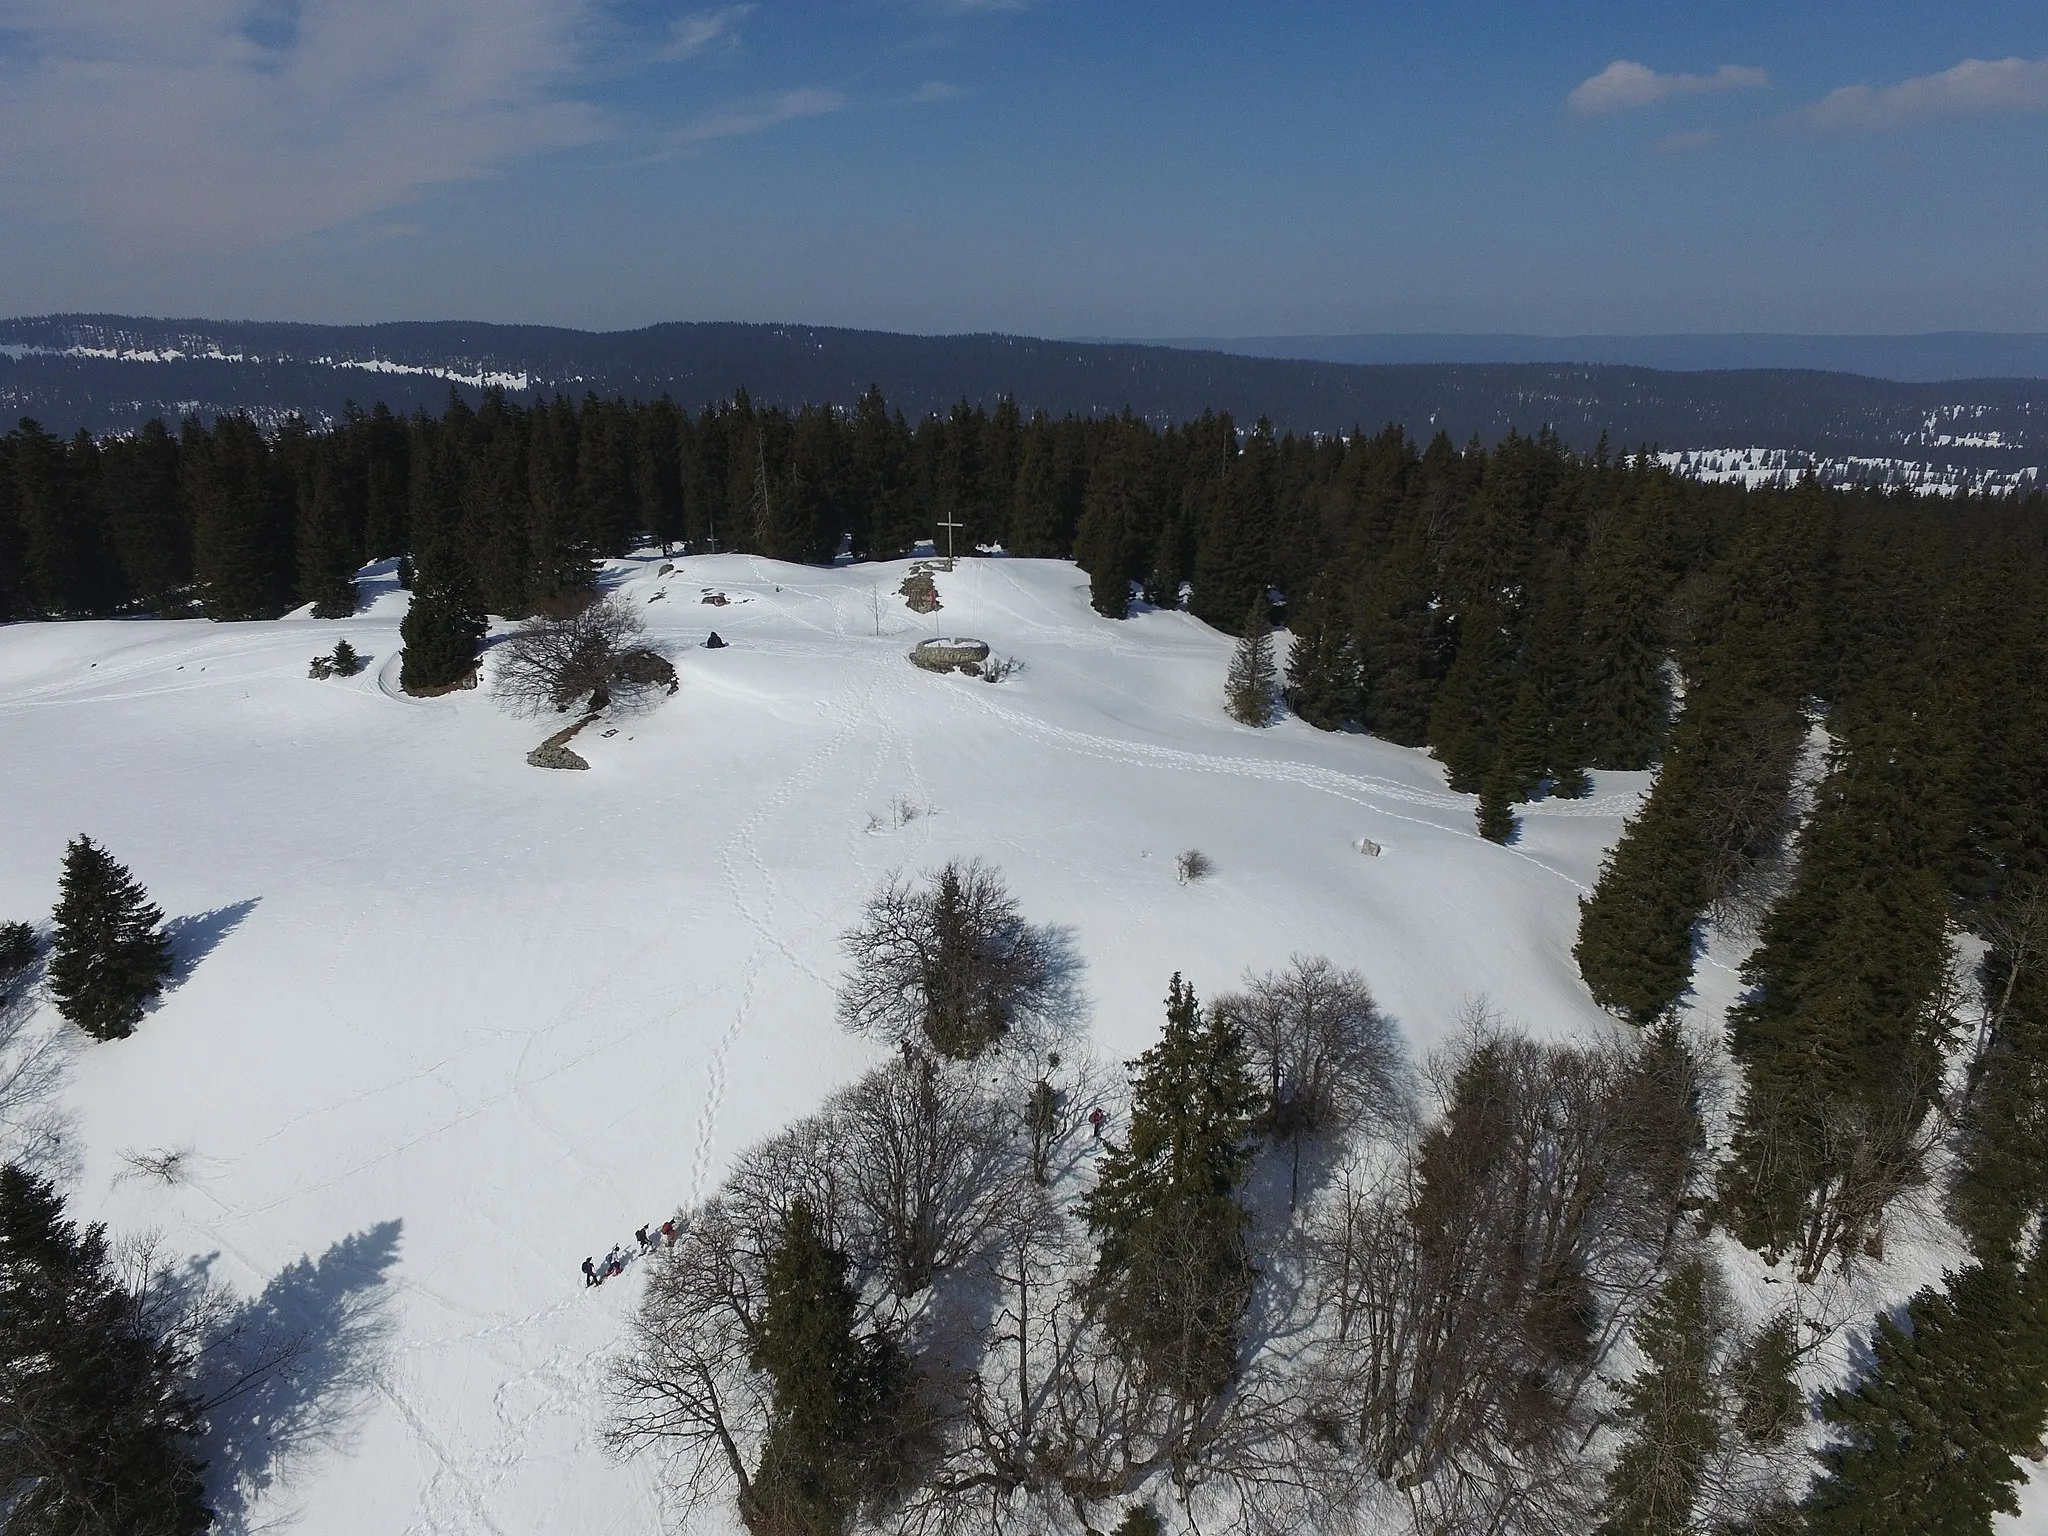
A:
[139,487]
[109,956]
[1325,685]
[1668,1413]
[242,512]
[442,628]
[834,1391]
[96,1424]
[329,543]
[1469,711]
[1172,1263]
[1249,684]
[1635,943]
[1495,812]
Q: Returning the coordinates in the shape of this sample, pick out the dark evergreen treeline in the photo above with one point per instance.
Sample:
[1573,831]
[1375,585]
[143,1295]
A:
[1507,607]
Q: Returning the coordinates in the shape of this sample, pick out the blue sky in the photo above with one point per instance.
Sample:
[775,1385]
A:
[1048,166]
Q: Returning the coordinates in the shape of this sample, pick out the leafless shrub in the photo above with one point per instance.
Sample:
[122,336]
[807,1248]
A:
[596,654]
[1193,865]
[907,810]
[1326,1057]
[168,1168]
[952,964]
[997,668]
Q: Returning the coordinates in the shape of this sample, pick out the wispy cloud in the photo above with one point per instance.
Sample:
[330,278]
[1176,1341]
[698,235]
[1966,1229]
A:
[752,117]
[1625,84]
[1971,87]
[209,124]
[697,31]
[935,90]
[1686,143]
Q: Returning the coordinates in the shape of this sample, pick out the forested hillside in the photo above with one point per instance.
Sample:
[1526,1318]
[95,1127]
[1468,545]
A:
[112,373]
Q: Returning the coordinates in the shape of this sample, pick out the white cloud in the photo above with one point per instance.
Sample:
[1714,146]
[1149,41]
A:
[752,117]
[1973,86]
[933,91]
[209,124]
[1625,84]
[699,30]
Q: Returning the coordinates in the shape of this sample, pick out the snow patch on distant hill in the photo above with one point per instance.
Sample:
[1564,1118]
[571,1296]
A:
[1785,466]
[482,378]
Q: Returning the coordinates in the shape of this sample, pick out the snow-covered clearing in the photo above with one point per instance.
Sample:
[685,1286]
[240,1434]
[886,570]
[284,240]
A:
[450,1023]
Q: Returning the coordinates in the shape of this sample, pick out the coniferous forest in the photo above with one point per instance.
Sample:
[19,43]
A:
[1842,693]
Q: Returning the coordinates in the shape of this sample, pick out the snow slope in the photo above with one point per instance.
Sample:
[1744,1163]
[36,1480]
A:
[451,1023]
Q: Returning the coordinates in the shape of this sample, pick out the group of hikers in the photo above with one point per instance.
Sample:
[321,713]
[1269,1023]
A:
[649,1238]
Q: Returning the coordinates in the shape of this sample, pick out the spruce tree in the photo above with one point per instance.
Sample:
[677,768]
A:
[17,951]
[1669,1414]
[1627,700]
[152,542]
[109,956]
[1470,709]
[345,660]
[442,628]
[1324,683]
[1635,944]
[96,1426]
[835,1393]
[1248,688]
[1497,796]
[1172,1265]
[1926,1441]
[329,541]
[242,513]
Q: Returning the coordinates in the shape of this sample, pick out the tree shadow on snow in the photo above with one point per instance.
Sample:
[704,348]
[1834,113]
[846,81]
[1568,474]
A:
[193,938]
[284,1374]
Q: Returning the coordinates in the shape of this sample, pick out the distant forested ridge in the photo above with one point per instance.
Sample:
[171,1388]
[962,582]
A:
[113,373]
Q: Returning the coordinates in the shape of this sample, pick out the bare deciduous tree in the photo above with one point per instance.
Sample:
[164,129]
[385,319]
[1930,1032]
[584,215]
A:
[952,964]
[1325,1056]
[1475,1284]
[930,1162]
[597,655]
[685,1386]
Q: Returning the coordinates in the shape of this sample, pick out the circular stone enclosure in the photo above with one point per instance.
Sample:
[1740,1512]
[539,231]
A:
[954,653]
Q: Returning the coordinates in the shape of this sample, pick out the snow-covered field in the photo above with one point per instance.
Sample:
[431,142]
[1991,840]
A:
[450,1023]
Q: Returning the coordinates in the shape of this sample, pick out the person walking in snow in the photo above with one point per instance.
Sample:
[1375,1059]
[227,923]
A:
[1095,1119]
[589,1273]
[640,1237]
[668,1233]
[614,1262]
